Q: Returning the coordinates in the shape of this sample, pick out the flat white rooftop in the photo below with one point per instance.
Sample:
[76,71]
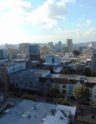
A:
[29,112]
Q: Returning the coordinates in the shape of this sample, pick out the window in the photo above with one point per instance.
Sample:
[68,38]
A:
[64,86]
[56,86]
[63,91]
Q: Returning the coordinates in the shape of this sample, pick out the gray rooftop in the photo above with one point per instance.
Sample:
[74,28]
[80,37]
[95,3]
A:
[28,112]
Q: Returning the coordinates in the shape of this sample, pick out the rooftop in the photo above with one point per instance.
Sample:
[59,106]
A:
[28,111]
[71,77]
[91,80]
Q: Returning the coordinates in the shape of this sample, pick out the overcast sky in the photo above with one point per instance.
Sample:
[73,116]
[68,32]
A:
[47,20]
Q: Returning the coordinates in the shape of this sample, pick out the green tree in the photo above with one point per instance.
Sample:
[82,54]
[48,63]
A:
[53,92]
[87,72]
[81,93]
[65,102]
[76,52]
[62,101]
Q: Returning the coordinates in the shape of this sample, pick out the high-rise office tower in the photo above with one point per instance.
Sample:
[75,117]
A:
[34,52]
[69,44]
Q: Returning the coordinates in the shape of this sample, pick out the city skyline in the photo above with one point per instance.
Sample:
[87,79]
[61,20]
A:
[47,20]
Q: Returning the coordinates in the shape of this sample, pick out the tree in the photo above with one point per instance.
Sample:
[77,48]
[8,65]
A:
[65,102]
[30,97]
[53,92]
[62,101]
[76,52]
[81,93]
[87,72]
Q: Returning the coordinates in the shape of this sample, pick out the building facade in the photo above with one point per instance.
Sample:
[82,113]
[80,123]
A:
[93,61]
[7,69]
[27,80]
[69,44]
[52,59]
[29,51]
[64,83]
[3,54]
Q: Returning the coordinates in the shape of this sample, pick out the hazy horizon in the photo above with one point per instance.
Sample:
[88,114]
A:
[47,20]
[44,43]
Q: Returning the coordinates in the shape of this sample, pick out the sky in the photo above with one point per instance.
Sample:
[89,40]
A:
[37,21]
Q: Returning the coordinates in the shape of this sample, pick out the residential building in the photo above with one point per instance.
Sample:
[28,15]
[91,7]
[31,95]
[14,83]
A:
[64,83]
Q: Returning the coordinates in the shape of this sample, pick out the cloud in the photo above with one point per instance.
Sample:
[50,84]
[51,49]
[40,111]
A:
[78,35]
[45,16]
[16,6]
[49,13]
[12,15]
[86,23]
[15,13]
[81,5]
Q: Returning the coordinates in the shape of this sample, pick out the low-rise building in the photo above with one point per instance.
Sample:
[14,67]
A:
[7,69]
[27,79]
[64,83]
[28,112]
[52,59]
